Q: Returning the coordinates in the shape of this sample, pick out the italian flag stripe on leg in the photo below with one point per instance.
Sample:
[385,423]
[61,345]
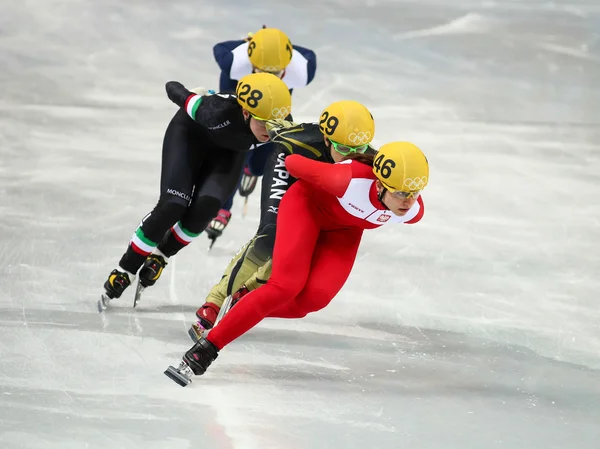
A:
[182,235]
[191,105]
[141,244]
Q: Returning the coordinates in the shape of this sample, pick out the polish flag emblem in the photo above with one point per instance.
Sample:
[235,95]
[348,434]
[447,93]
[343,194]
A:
[383,218]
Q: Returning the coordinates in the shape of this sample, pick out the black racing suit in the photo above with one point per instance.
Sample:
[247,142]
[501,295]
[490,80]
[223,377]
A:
[251,265]
[202,158]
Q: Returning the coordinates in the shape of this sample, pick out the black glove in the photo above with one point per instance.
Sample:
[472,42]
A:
[177,93]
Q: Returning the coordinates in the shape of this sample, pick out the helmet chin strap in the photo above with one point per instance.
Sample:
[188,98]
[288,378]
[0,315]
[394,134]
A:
[380,196]
[328,155]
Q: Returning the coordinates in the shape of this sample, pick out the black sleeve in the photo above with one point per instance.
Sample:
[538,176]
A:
[305,139]
[220,115]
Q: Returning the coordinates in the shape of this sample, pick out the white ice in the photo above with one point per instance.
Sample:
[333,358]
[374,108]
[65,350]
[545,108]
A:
[477,328]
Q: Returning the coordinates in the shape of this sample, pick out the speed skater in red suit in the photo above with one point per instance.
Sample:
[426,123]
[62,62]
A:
[320,224]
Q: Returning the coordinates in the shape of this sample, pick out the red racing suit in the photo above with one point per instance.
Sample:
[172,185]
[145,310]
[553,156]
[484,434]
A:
[319,228]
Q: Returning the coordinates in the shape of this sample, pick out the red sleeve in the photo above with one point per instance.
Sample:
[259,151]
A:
[420,213]
[333,178]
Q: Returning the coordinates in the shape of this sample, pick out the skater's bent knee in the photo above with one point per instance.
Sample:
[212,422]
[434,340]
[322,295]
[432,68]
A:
[208,205]
[264,243]
[201,212]
[172,211]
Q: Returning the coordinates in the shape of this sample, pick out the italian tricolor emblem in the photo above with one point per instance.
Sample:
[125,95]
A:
[191,105]
[182,235]
[141,244]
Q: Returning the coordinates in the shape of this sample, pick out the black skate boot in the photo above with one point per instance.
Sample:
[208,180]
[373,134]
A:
[247,186]
[114,287]
[149,274]
[195,361]
[151,270]
[217,226]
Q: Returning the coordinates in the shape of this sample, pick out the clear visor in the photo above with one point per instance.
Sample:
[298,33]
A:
[401,195]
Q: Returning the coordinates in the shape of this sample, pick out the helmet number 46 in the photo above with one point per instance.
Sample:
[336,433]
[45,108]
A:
[328,124]
[252,100]
[384,167]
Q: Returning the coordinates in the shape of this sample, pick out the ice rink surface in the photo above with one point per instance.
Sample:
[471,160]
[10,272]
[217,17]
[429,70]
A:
[477,328]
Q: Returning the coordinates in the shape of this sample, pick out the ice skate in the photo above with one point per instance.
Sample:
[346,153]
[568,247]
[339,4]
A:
[206,315]
[210,314]
[114,287]
[217,226]
[181,375]
[247,186]
[148,275]
[195,362]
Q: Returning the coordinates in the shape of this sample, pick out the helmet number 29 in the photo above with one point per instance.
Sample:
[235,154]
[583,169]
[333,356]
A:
[252,100]
[328,124]
[384,167]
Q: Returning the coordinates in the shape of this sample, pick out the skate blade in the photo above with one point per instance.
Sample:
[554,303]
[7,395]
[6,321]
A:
[103,303]
[177,377]
[195,332]
[212,242]
[138,294]
[245,209]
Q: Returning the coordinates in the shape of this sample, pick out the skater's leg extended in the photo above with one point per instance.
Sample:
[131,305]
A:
[243,268]
[291,265]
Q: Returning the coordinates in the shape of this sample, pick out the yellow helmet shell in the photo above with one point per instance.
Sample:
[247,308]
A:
[347,122]
[264,96]
[401,166]
[270,50]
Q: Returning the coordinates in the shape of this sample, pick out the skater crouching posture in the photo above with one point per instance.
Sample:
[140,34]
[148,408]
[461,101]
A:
[320,225]
[345,127]
[204,150]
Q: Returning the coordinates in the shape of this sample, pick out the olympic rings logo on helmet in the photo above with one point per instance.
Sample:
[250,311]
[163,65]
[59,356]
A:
[414,184]
[282,112]
[360,138]
[270,68]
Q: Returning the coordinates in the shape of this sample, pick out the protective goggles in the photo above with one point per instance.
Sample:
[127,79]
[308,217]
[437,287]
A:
[345,150]
[258,118]
[278,74]
[405,195]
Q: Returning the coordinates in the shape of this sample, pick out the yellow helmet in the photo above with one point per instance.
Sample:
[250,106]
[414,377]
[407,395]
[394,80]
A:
[264,96]
[401,167]
[270,50]
[348,123]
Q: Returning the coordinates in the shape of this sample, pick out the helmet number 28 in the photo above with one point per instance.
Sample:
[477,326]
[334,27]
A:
[328,124]
[384,167]
[252,100]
